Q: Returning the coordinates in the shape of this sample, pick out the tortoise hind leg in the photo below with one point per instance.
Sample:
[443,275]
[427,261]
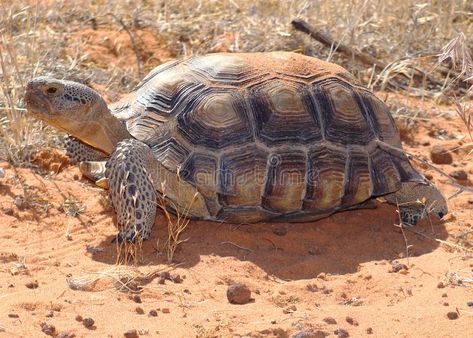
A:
[131,189]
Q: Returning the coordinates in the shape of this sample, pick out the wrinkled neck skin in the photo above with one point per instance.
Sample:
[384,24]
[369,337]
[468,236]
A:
[101,130]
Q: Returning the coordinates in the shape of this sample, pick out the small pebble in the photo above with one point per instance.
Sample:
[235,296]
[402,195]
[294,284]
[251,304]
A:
[459,175]
[32,285]
[290,309]
[440,155]
[351,321]
[452,315]
[88,322]
[444,295]
[165,310]
[140,311]
[137,299]
[341,333]
[369,330]
[13,315]
[165,275]
[131,334]
[446,304]
[176,279]
[50,314]
[470,303]
[440,285]
[48,329]
[79,318]
[153,313]
[397,267]
[66,335]
[330,320]
[238,293]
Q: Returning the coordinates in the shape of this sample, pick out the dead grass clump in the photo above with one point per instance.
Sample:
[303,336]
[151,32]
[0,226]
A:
[176,223]
[122,278]
[465,239]
[31,198]
[457,54]
[71,206]
[457,279]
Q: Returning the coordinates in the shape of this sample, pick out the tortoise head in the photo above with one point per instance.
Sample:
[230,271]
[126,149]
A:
[435,201]
[76,109]
[431,201]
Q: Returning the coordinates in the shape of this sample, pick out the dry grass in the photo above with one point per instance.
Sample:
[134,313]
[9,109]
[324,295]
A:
[176,223]
[457,54]
[128,279]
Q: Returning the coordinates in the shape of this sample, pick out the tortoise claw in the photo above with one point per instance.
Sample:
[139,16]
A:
[130,236]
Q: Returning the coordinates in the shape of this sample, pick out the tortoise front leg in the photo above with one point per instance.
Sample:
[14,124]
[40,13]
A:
[131,189]
[91,161]
[78,151]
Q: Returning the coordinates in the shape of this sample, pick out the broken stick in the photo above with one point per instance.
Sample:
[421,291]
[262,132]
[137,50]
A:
[326,40]
[323,38]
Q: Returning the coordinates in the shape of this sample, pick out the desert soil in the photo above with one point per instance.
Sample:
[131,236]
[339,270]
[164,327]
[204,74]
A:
[353,273]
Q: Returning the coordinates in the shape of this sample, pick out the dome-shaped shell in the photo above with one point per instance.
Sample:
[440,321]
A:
[268,135]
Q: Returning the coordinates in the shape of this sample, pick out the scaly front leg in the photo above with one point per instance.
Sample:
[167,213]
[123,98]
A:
[131,189]
[78,151]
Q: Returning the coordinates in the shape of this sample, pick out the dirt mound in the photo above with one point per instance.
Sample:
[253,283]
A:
[106,47]
[51,160]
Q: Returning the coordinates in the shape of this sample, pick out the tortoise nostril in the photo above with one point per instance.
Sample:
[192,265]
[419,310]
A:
[51,90]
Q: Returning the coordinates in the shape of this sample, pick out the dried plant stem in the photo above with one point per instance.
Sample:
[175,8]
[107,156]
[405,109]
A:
[176,224]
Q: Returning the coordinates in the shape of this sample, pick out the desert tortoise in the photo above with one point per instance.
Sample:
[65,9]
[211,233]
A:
[238,138]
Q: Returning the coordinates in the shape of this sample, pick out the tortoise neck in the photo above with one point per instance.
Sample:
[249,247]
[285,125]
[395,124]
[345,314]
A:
[104,131]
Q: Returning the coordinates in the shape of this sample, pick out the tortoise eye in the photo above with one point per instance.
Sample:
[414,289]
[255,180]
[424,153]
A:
[51,90]
[441,214]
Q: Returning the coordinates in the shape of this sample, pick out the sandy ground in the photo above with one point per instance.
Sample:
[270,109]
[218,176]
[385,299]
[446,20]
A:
[57,227]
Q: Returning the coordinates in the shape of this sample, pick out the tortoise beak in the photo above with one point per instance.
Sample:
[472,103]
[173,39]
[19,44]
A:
[37,103]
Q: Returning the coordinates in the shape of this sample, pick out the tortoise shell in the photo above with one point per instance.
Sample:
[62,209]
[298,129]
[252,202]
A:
[263,136]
